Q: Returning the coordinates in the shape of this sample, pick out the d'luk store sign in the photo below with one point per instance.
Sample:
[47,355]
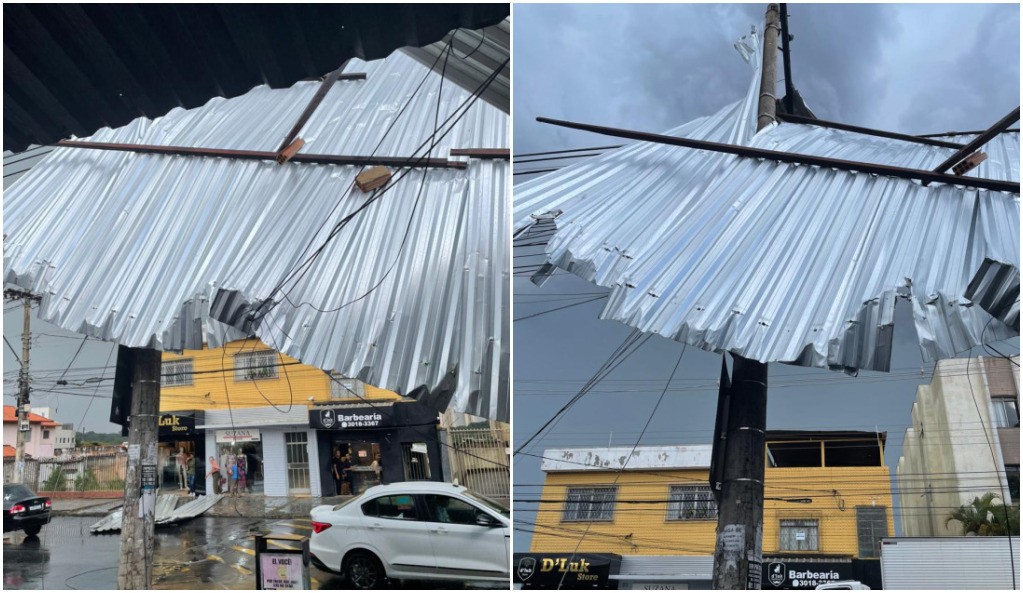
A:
[238,435]
[566,571]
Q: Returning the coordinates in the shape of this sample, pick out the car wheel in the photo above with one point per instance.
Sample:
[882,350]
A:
[34,530]
[364,571]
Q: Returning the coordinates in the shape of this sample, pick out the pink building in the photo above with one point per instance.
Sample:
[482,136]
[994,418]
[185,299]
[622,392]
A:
[41,439]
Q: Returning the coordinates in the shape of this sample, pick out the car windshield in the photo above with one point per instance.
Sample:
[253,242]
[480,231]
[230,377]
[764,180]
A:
[500,508]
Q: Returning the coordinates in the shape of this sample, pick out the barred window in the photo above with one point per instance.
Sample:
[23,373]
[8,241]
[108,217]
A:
[342,387]
[255,365]
[176,372]
[871,527]
[691,503]
[590,504]
[798,535]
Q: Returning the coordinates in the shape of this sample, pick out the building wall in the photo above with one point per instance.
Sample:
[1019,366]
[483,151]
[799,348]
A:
[951,452]
[214,389]
[37,446]
[643,529]
[275,472]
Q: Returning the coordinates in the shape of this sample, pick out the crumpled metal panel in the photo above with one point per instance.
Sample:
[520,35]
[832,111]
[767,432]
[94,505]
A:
[780,262]
[995,288]
[133,248]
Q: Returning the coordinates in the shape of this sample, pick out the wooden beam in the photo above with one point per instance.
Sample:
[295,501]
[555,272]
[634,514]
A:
[482,153]
[790,157]
[325,86]
[979,141]
[259,155]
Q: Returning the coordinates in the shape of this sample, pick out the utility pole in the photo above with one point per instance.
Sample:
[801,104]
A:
[135,565]
[23,398]
[738,550]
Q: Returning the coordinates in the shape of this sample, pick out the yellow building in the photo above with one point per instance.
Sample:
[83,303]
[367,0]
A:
[828,504]
[284,420]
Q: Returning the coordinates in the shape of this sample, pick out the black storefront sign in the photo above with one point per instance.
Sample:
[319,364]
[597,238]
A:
[353,418]
[779,573]
[177,426]
[566,571]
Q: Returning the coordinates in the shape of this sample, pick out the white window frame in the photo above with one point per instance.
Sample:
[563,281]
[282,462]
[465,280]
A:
[256,366]
[998,411]
[177,372]
[791,544]
[589,504]
[691,503]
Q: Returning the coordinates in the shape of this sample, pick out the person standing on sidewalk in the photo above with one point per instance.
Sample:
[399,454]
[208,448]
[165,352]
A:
[233,472]
[190,468]
[335,471]
[215,472]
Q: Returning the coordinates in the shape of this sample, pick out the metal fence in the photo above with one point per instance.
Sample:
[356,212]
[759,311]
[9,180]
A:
[78,473]
[479,459]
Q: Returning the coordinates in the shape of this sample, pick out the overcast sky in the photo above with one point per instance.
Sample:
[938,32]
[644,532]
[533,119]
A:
[909,68]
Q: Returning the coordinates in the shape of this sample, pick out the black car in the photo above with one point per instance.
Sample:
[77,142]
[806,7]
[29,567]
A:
[23,510]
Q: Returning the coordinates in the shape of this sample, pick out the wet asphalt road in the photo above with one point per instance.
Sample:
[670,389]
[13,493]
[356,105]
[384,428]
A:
[205,553]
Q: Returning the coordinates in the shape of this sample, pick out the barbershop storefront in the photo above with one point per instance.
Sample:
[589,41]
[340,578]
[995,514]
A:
[386,442]
[179,439]
[809,572]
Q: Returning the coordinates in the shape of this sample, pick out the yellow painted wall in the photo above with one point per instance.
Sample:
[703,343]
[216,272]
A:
[643,529]
[215,389]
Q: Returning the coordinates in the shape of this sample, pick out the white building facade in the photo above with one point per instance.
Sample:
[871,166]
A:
[962,444]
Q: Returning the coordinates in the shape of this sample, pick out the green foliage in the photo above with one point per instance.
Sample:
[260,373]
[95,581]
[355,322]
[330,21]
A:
[985,517]
[56,482]
[85,439]
[87,481]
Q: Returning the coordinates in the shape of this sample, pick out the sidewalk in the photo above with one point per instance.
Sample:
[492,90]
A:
[251,506]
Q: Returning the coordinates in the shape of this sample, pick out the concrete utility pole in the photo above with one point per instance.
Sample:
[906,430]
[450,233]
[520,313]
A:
[23,398]
[135,566]
[738,550]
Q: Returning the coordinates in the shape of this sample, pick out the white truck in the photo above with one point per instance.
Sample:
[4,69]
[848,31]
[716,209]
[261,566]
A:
[950,562]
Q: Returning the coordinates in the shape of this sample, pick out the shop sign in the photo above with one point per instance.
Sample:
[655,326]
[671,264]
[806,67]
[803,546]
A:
[238,435]
[566,571]
[176,425]
[350,418]
[804,575]
[281,571]
[658,586]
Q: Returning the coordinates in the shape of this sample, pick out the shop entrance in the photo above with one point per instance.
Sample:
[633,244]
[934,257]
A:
[366,466]
[173,459]
[250,456]
[296,449]
[416,460]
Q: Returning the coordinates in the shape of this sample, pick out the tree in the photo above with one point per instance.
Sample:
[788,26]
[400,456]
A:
[985,517]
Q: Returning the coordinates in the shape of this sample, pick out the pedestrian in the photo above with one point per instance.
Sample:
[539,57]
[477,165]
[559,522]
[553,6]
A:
[215,473]
[190,468]
[335,471]
[377,468]
[348,487]
[233,472]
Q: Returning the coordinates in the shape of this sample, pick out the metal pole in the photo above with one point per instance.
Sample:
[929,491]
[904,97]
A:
[23,393]
[135,565]
[738,549]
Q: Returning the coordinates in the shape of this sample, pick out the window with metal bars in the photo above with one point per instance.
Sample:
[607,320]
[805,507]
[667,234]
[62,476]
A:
[691,503]
[871,527]
[342,387]
[798,535]
[176,372]
[261,364]
[590,504]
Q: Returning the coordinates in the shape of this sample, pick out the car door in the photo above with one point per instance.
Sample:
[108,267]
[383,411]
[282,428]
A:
[460,544]
[397,531]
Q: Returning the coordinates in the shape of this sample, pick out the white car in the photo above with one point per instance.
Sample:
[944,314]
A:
[412,530]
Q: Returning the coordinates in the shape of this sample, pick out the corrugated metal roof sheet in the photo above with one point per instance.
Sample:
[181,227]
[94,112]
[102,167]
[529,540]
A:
[133,248]
[779,262]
